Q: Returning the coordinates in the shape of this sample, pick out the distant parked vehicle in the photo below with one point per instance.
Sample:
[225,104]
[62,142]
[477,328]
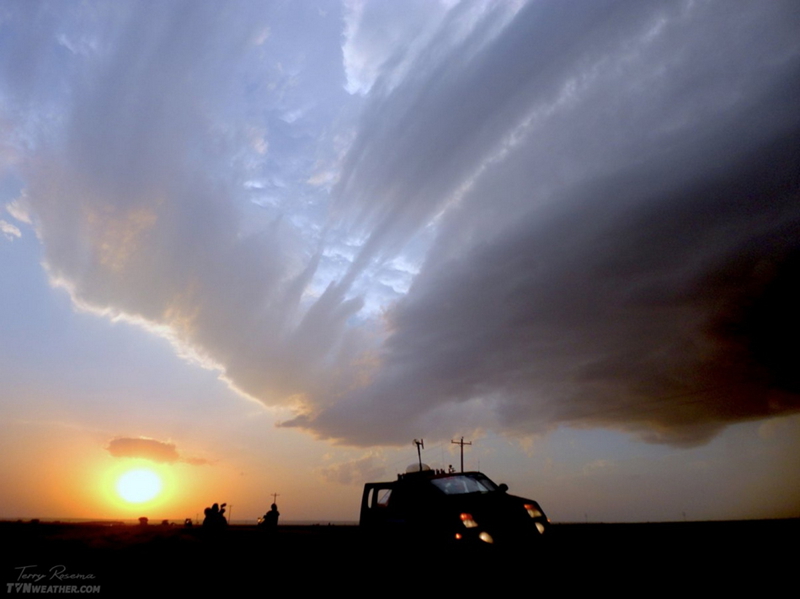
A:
[461,508]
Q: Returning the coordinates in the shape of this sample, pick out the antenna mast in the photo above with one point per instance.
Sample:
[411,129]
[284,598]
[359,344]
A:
[420,445]
[462,443]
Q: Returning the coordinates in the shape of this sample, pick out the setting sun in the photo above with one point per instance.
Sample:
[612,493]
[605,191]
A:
[138,486]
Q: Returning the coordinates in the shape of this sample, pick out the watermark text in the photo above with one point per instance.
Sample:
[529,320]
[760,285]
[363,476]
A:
[33,579]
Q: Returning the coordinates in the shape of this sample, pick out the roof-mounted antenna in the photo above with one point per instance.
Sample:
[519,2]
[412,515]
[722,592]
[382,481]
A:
[420,446]
[462,443]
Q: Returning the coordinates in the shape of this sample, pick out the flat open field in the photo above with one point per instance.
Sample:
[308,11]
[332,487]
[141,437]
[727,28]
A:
[128,560]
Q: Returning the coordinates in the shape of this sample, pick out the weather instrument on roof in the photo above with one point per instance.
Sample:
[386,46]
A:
[420,446]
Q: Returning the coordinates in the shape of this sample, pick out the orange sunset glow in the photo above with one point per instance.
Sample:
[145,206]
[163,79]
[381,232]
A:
[249,251]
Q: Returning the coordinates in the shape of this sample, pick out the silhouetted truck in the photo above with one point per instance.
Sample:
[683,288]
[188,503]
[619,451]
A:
[463,508]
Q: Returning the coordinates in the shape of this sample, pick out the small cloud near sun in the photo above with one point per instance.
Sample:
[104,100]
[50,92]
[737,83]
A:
[149,449]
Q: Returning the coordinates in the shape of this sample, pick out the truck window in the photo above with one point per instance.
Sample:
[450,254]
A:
[380,498]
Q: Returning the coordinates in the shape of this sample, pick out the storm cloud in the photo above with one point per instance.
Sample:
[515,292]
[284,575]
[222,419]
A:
[619,227]
[506,216]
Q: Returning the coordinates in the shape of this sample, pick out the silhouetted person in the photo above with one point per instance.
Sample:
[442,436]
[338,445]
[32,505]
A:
[270,519]
[215,517]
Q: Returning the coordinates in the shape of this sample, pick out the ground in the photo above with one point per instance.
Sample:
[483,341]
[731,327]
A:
[128,560]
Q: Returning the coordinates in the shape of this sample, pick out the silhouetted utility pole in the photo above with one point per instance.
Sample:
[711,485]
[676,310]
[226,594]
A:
[275,498]
[462,443]
[420,445]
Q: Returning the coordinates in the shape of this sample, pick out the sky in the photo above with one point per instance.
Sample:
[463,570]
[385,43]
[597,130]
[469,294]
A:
[260,247]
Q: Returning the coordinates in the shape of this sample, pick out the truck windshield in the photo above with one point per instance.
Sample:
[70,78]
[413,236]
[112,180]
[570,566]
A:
[464,483]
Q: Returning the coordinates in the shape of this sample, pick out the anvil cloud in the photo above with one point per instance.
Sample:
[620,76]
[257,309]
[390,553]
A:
[507,216]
